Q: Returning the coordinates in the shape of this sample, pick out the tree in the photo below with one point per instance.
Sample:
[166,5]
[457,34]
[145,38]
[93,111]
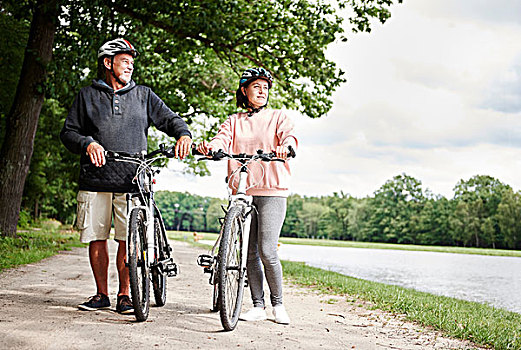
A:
[214,213]
[509,219]
[193,52]
[335,221]
[433,224]
[477,203]
[310,216]
[395,205]
[22,120]
[358,219]
[292,224]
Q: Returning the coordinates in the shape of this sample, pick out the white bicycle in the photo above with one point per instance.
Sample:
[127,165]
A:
[226,262]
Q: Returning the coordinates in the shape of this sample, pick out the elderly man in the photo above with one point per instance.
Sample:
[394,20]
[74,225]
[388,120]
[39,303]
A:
[113,113]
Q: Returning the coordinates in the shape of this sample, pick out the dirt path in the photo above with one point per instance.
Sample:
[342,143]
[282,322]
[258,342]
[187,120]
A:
[38,311]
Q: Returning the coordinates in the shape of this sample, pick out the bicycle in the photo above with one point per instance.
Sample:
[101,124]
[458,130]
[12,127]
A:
[226,262]
[148,255]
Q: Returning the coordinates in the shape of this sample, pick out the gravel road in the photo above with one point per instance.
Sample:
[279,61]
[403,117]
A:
[38,304]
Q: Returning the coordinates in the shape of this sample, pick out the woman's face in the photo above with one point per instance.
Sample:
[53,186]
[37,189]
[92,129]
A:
[257,93]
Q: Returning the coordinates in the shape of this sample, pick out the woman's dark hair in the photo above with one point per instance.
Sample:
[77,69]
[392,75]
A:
[241,99]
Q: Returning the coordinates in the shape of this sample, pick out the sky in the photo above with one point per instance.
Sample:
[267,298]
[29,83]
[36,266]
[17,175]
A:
[434,93]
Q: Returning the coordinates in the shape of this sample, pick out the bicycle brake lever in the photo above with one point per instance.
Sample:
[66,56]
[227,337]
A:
[217,155]
[292,153]
[169,152]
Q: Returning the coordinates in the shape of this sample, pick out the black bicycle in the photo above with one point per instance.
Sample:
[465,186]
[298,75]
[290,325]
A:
[149,256]
[226,262]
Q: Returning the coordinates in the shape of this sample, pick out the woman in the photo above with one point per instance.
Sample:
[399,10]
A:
[246,132]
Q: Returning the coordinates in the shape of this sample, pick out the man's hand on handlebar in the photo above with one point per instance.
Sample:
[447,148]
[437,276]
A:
[183,147]
[96,153]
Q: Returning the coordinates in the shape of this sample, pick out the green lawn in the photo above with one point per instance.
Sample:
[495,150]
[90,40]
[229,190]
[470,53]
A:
[34,245]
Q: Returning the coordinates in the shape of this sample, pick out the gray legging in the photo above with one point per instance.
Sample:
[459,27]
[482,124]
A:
[264,236]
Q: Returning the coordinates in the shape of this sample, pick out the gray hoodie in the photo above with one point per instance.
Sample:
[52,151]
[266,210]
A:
[118,121]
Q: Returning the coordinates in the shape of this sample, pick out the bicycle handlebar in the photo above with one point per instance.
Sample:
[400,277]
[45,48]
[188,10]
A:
[220,154]
[166,151]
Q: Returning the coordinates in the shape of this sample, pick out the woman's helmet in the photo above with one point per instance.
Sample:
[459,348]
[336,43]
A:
[117,46]
[253,74]
[247,77]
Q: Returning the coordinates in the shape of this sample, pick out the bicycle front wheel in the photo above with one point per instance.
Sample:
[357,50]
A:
[231,273]
[137,266]
[158,275]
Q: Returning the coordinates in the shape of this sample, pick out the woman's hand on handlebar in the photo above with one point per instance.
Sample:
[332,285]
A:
[284,152]
[183,147]
[203,148]
[96,153]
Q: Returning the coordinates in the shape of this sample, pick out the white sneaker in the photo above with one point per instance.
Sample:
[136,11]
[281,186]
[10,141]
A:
[255,314]
[281,316]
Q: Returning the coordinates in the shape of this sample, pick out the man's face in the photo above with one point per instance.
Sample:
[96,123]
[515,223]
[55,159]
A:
[123,66]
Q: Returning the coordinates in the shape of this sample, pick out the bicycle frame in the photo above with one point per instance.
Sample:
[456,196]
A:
[144,200]
[245,201]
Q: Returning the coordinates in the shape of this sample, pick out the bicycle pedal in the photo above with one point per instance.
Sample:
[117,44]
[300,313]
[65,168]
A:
[205,261]
[171,269]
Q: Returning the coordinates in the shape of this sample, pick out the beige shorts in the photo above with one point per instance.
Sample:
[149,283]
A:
[95,211]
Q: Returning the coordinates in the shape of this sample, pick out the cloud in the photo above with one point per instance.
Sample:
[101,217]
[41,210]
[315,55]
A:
[434,93]
[504,93]
[498,11]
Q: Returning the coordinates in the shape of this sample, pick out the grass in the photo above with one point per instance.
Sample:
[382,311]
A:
[479,323]
[461,319]
[34,245]
[441,249]
[351,244]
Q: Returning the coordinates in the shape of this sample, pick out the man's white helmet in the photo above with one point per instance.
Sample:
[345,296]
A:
[117,46]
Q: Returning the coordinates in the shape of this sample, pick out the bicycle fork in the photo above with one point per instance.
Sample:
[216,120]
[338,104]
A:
[133,203]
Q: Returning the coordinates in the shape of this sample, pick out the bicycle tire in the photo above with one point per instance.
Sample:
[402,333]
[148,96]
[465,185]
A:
[231,273]
[138,271]
[158,276]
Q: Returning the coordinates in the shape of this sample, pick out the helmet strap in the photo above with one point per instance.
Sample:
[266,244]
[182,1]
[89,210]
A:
[113,73]
[252,110]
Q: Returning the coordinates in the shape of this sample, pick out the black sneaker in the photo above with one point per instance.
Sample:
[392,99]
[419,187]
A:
[124,305]
[97,302]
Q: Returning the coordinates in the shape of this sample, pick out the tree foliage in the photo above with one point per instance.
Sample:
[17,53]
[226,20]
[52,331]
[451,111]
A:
[192,53]
[400,211]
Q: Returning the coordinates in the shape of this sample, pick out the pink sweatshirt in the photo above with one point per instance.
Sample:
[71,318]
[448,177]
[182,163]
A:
[264,130]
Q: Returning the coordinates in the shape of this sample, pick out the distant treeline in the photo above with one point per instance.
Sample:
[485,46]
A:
[484,212]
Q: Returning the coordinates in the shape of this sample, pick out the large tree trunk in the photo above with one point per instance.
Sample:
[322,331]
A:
[22,121]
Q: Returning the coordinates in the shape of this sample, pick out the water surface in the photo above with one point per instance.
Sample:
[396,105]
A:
[494,280]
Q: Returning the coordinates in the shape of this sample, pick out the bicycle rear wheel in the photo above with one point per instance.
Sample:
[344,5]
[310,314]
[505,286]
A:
[138,270]
[231,273]
[158,275]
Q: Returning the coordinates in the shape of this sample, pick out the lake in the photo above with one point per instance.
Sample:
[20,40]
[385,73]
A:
[494,280]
